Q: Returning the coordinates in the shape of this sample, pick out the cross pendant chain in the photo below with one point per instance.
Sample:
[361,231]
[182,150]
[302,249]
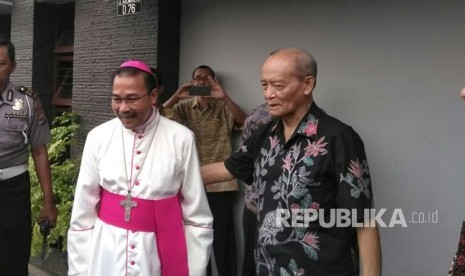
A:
[128,204]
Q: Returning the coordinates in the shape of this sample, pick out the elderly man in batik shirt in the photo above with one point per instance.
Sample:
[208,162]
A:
[304,162]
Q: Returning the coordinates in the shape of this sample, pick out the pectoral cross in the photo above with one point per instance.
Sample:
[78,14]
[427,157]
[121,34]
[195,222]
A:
[128,204]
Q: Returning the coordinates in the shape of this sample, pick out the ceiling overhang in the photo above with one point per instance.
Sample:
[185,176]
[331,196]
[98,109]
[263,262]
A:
[5,6]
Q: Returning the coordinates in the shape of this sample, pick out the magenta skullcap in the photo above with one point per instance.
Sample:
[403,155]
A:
[136,64]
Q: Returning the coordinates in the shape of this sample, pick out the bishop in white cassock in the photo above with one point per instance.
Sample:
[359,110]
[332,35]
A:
[140,206]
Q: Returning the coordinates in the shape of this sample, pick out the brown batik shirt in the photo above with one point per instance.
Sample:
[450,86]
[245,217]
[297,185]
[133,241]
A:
[213,129]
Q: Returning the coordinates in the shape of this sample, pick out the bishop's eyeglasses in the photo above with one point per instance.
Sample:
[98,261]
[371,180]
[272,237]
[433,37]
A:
[129,100]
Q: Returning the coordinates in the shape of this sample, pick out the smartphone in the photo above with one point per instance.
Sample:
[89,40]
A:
[199,91]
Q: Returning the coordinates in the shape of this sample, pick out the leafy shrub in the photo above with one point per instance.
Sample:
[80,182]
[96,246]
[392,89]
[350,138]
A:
[64,174]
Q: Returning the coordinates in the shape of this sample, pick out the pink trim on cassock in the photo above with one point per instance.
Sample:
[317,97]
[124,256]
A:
[81,230]
[162,216]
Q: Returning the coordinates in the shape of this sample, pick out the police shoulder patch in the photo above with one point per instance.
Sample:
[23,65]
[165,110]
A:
[40,114]
[26,91]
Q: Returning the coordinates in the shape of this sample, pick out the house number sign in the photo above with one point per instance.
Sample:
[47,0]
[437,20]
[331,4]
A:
[127,7]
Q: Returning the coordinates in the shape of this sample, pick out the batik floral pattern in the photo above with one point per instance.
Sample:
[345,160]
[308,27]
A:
[291,191]
[317,168]
[458,263]
[358,178]
[295,270]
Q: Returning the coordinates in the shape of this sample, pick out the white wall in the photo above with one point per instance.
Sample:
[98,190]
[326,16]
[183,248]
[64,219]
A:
[391,69]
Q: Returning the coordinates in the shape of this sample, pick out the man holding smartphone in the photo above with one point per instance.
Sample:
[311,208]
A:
[204,107]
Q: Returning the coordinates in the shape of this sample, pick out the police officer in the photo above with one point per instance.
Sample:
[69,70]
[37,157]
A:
[23,125]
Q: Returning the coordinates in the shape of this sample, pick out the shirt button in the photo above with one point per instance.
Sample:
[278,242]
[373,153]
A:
[133,263]
[138,152]
[133,246]
[137,183]
[137,167]
[141,136]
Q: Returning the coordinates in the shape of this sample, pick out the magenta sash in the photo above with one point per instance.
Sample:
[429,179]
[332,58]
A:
[163,216]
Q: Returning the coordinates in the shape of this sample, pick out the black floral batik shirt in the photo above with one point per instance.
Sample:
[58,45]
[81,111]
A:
[302,184]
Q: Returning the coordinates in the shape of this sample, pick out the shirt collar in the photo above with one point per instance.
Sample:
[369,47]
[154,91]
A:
[195,103]
[5,94]
[149,124]
[307,127]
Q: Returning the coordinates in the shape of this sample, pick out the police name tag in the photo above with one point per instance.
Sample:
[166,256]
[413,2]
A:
[15,115]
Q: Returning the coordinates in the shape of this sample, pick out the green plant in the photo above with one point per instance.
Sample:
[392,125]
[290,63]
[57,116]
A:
[64,173]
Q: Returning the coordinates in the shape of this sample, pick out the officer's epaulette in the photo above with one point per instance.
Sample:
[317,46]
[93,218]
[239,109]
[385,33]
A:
[24,90]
